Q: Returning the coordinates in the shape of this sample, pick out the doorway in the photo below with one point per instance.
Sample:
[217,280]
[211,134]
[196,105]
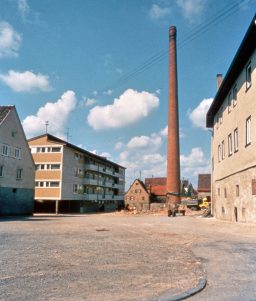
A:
[235,212]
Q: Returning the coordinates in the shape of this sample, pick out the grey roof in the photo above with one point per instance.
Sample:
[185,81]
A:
[58,140]
[4,111]
[243,53]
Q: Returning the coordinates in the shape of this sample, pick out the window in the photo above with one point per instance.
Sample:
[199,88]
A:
[237,190]
[236,140]
[234,95]
[1,170]
[5,150]
[230,150]
[223,150]
[248,76]
[221,114]
[55,166]
[75,188]
[219,152]
[56,149]
[248,131]
[17,153]
[54,184]
[19,174]
[225,192]
[229,102]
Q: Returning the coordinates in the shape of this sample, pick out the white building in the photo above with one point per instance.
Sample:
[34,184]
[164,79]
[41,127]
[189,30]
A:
[71,179]
[17,168]
[232,116]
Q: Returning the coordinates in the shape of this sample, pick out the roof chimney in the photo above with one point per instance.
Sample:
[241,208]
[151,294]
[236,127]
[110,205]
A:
[219,80]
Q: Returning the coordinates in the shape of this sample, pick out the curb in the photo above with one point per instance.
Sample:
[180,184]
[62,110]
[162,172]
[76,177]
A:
[168,296]
[190,292]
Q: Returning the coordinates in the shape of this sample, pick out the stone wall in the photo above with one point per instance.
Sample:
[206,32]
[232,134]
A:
[235,198]
[16,201]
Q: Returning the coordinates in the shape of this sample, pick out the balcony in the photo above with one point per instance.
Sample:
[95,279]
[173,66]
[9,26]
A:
[92,167]
[90,181]
[90,197]
[118,197]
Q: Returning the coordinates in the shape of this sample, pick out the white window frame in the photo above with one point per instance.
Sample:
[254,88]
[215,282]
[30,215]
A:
[19,174]
[248,138]
[223,150]
[248,71]
[17,153]
[230,145]
[5,150]
[236,140]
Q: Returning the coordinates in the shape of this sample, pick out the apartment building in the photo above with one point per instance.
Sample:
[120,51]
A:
[17,170]
[71,179]
[232,117]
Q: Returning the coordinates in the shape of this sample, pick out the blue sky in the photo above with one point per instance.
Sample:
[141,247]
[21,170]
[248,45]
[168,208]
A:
[100,69]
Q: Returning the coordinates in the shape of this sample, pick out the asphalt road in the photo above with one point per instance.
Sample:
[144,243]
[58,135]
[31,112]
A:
[228,253]
[114,257]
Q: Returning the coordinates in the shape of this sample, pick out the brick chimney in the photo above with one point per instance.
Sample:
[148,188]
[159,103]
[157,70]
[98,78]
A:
[219,80]
[173,151]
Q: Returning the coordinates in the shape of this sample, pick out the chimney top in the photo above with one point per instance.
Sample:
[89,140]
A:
[172,32]
[219,80]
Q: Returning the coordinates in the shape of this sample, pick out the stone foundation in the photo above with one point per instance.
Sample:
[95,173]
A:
[234,198]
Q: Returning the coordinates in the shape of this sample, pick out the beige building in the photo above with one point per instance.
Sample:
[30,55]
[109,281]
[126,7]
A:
[17,170]
[71,179]
[232,116]
[138,196]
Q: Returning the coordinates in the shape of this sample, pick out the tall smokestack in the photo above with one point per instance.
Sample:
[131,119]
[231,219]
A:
[173,152]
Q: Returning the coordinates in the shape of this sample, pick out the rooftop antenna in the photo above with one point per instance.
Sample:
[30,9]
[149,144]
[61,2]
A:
[46,126]
[67,134]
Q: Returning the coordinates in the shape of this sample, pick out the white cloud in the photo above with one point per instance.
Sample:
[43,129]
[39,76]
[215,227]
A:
[129,108]
[164,132]
[159,12]
[23,8]
[119,145]
[191,9]
[194,163]
[198,115]
[106,155]
[144,141]
[26,81]
[95,93]
[153,158]
[56,113]
[88,102]
[108,92]
[9,41]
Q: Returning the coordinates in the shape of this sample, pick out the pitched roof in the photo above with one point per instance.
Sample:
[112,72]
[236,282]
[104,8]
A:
[4,111]
[204,183]
[157,186]
[243,54]
[79,149]
[141,183]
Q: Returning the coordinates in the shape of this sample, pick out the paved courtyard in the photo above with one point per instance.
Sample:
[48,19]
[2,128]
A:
[125,257]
